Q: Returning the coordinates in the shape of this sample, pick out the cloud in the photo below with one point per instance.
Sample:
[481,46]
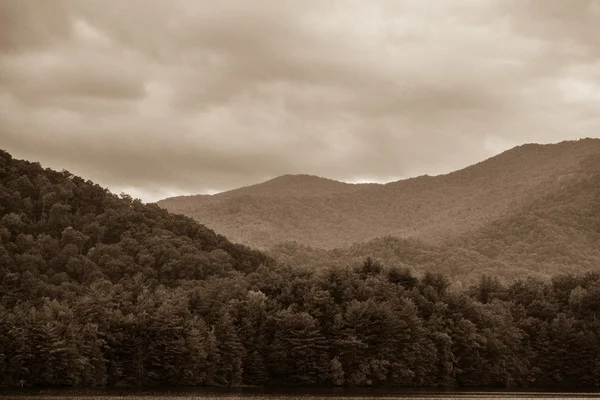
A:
[24,26]
[41,78]
[188,96]
[571,27]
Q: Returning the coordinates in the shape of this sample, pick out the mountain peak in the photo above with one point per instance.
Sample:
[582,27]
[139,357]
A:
[325,213]
[303,182]
[288,185]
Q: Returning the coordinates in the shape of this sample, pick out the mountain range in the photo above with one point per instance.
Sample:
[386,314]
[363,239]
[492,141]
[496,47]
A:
[103,290]
[533,208]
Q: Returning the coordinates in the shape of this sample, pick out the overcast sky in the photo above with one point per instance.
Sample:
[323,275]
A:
[158,98]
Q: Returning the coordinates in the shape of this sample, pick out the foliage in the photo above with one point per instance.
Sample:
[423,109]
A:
[102,290]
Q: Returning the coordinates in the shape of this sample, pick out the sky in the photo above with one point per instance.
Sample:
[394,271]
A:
[159,98]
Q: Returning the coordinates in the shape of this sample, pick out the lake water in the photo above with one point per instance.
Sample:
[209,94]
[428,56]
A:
[286,394]
[162,396]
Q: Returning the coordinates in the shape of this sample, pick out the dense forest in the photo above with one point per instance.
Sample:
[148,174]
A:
[555,233]
[103,290]
[533,210]
[326,214]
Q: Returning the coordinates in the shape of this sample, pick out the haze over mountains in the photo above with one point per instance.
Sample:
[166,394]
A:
[325,213]
[103,290]
[531,209]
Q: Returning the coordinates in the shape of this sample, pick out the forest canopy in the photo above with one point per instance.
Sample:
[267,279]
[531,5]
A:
[102,290]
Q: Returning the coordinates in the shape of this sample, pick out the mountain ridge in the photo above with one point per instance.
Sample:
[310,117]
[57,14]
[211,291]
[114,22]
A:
[432,208]
[99,290]
[280,186]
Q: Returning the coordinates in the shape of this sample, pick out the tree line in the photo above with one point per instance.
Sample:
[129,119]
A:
[367,326]
[103,290]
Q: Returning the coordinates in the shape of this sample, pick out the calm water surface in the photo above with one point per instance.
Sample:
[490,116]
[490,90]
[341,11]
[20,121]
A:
[191,394]
[289,394]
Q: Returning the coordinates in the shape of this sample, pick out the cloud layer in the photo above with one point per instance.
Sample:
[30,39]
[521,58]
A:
[160,98]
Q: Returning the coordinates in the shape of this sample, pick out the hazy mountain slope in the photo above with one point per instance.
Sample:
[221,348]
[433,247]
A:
[465,266]
[282,186]
[430,208]
[556,233]
[99,290]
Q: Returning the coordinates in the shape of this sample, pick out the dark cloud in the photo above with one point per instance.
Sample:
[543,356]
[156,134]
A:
[160,98]
[25,26]
[571,26]
[43,78]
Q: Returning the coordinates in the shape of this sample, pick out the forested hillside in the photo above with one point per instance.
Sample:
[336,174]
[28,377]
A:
[282,186]
[559,231]
[433,209]
[464,266]
[102,290]
[555,233]
[68,228]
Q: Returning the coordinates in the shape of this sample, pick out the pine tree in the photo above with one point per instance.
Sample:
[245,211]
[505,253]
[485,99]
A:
[231,352]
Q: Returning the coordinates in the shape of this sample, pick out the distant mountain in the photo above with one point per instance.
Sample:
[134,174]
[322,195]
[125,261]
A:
[99,290]
[462,205]
[557,232]
[464,265]
[282,186]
